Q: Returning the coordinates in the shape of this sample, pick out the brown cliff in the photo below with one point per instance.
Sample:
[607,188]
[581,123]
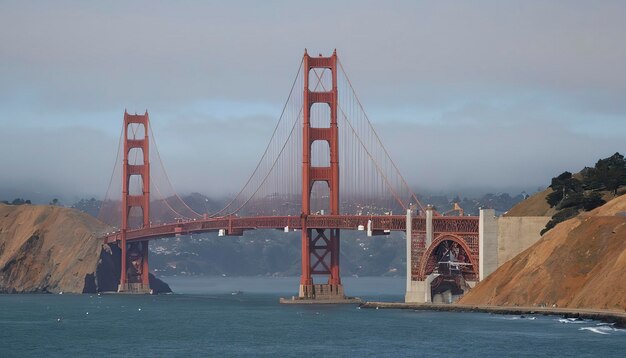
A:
[53,249]
[581,263]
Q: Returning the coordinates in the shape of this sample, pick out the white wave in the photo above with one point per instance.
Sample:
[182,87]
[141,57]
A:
[604,328]
[572,320]
[598,329]
[520,317]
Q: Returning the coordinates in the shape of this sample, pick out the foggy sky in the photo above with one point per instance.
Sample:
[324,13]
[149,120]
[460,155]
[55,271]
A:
[489,94]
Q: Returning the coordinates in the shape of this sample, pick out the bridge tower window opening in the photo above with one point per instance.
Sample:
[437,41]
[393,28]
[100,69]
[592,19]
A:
[136,131]
[320,198]
[320,115]
[135,217]
[320,154]
[135,156]
[135,185]
[320,79]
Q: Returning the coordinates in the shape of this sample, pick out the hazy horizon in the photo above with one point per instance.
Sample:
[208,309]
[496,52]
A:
[472,97]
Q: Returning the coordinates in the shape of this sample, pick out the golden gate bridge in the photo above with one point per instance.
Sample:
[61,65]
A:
[324,170]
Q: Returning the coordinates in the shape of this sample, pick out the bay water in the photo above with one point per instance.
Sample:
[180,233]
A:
[241,316]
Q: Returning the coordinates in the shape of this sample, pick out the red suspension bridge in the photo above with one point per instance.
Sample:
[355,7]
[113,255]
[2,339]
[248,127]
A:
[323,171]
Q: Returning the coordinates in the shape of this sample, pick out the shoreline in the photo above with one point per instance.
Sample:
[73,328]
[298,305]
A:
[608,316]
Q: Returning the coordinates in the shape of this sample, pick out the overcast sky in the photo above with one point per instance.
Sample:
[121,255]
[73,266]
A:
[495,95]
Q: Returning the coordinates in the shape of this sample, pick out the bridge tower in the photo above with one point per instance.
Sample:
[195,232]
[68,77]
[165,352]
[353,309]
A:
[320,247]
[134,262]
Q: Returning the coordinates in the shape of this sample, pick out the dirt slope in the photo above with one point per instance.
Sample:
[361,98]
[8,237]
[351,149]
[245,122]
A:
[534,205]
[46,248]
[581,263]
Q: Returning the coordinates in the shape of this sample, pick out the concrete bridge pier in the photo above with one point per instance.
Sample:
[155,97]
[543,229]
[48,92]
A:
[487,243]
[418,290]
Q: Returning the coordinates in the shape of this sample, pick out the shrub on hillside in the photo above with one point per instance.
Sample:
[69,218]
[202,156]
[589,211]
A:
[571,194]
[608,174]
[17,201]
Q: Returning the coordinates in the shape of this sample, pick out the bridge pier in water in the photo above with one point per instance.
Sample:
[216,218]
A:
[135,269]
[321,245]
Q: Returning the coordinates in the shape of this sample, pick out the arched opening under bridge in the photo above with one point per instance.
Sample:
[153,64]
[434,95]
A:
[450,265]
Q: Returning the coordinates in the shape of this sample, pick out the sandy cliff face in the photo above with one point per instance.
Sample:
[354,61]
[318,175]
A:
[46,248]
[581,263]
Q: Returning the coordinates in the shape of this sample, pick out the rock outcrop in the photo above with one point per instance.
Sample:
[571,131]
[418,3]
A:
[53,249]
[581,263]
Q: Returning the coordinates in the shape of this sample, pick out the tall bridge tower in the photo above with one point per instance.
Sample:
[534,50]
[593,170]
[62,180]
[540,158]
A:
[134,266]
[320,247]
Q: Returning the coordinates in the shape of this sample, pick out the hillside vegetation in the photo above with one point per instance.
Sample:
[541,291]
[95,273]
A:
[587,190]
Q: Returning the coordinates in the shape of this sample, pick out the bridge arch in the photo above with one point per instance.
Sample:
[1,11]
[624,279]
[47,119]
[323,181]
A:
[435,245]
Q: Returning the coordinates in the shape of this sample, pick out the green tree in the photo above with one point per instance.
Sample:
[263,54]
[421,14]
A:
[560,216]
[571,195]
[562,186]
[89,206]
[592,201]
[608,173]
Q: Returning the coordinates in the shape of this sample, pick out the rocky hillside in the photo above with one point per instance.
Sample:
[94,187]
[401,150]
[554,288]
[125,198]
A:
[581,263]
[46,248]
[53,249]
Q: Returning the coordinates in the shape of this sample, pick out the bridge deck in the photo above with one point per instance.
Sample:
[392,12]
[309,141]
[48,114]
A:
[237,225]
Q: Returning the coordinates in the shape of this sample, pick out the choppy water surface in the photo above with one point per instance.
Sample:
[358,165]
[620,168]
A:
[205,319]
